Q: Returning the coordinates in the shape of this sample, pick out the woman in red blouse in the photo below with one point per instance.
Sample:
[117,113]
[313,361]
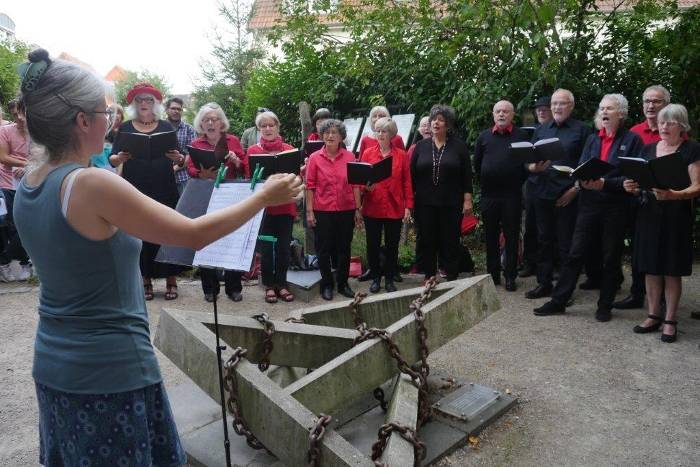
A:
[317,120]
[278,220]
[369,140]
[212,123]
[386,204]
[331,206]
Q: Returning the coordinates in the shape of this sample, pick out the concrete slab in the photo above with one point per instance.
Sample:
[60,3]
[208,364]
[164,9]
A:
[193,408]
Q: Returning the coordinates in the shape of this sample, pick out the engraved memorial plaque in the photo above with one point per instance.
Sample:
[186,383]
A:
[467,401]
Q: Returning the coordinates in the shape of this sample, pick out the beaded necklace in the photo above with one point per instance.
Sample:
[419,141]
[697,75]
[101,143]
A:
[437,161]
[146,123]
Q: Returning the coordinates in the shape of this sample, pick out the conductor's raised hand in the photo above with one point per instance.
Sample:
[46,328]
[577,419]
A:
[282,189]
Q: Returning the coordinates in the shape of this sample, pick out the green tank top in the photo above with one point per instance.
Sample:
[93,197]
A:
[93,335]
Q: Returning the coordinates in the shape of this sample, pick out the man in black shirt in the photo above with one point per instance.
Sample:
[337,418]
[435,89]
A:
[501,177]
[555,198]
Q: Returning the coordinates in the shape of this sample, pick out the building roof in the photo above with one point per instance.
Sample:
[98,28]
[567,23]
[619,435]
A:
[115,74]
[72,59]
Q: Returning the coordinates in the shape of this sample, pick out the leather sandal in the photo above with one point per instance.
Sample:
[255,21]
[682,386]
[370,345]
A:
[668,338]
[647,329]
[284,294]
[148,291]
[171,293]
[270,295]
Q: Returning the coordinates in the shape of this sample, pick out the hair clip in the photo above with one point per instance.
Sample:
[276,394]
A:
[31,73]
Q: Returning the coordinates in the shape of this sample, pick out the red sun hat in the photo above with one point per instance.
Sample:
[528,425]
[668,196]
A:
[143,87]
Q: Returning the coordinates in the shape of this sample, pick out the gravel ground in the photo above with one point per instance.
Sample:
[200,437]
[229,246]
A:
[590,393]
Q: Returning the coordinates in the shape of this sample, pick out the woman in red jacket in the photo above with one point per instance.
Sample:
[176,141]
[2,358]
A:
[212,123]
[386,204]
[278,220]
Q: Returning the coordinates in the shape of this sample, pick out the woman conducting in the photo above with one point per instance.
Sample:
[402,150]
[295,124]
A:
[663,246]
[99,388]
[152,178]
[386,204]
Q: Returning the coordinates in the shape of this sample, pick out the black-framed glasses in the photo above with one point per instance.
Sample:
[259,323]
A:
[145,99]
[110,113]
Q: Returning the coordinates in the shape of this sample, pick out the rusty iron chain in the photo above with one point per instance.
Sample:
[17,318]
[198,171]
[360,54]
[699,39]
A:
[301,320]
[355,308]
[416,306]
[409,434]
[315,435]
[379,395]
[233,403]
[268,332]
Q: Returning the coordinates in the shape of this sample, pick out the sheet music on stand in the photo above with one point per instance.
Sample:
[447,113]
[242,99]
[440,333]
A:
[232,252]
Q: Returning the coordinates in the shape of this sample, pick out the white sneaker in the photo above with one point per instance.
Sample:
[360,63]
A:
[26,272]
[6,273]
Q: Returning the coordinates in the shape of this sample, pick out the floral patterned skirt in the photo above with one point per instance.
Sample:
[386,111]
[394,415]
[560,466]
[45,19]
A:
[134,428]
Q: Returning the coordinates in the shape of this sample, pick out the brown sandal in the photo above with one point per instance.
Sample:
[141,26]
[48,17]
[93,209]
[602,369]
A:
[171,294]
[284,294]
[270,297]
[148,291]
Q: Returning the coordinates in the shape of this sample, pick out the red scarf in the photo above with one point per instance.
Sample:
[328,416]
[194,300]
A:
[272,146]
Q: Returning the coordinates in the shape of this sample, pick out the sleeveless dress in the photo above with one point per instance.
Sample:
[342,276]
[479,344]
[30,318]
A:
[100,391]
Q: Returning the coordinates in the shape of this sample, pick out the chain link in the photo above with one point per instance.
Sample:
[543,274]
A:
[416,306]
[355,308]
[315,435]
[233,403]
[268,331]
[409,434]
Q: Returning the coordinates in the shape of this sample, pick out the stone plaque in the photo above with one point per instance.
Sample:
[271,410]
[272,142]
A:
[467,401]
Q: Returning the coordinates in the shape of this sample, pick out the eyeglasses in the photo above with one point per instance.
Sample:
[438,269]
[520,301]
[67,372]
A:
[212,120]
[268,125]
[561,104]
[331,133]
[668,123]
[175,109]
[147,100]
[652,101]
[109,114]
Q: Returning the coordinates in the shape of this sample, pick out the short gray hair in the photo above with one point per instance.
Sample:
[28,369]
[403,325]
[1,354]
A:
[205,109]
[265,116]
[133,112]
[333,123]
[675,112]
[622,103]
[378,109]
[386,123]
[64,90]
[661,89]
[571,94]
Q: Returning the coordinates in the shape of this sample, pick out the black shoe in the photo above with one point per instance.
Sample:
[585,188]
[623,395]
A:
[645,330]
[365,276]
[496,276]
[397,278]
[550,308]
[376,286]
[235,296]
[528,270]
[327,294]
[390,287]
[629,303]
[668,338]
[346,291]
[209,297]
[540,291]
[589,285]
[510,285]
[603,315]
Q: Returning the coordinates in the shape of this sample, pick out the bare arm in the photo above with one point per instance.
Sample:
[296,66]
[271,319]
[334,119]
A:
[8,159]
[102,202]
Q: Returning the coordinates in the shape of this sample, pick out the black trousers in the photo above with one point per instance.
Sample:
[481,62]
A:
[638,287]
[210,281]
[501,214]
[595,220]
[440,228]
[530,234]
[334,230]
[392,235]
[274,267]
[555,226]
[13,249]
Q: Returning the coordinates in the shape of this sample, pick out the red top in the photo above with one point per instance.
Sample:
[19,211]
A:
[605,144]
[392,196]
[290,208]
[329,181]
[233,145]
[648,135]
[315,137]
[508,129]
[366,142]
